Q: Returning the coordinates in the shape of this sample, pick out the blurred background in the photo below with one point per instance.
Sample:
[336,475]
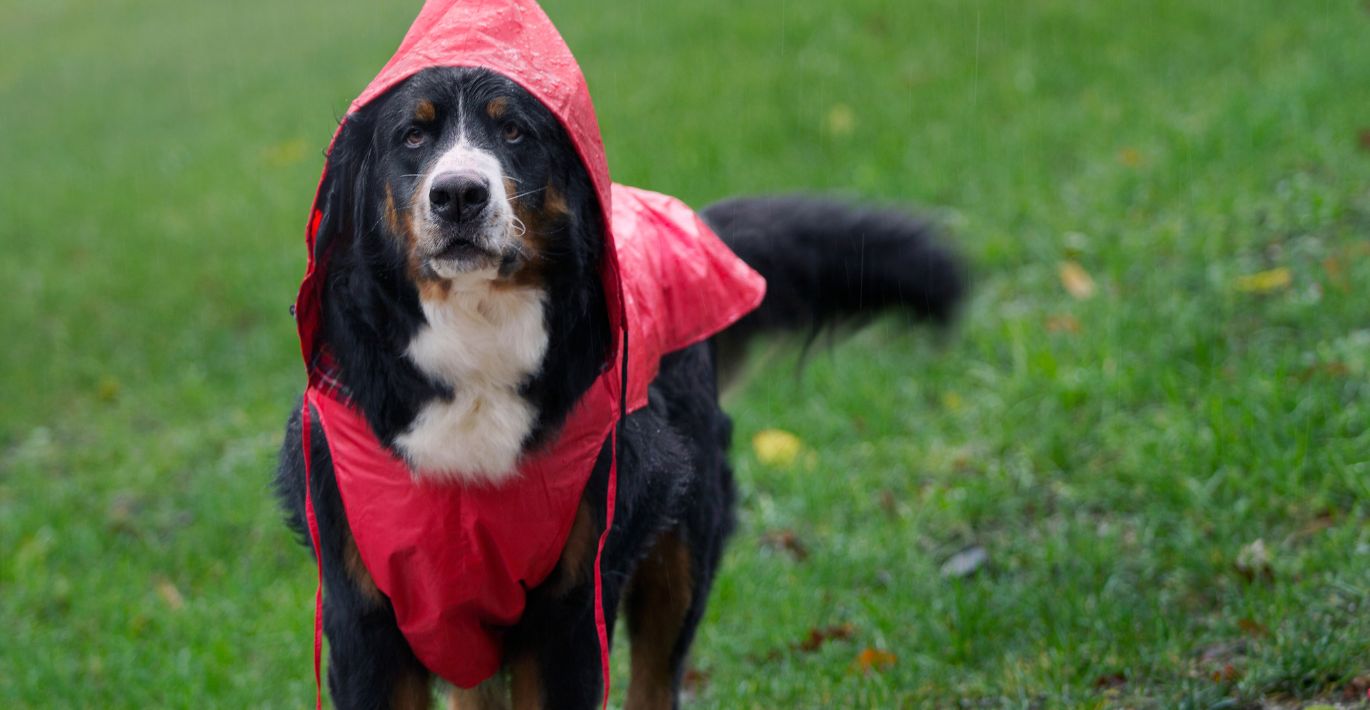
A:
[1137,475]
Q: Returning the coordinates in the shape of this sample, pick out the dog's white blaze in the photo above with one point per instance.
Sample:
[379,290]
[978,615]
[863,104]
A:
[483,342]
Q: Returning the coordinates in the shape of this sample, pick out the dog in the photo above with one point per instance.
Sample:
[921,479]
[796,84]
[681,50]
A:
[467,273]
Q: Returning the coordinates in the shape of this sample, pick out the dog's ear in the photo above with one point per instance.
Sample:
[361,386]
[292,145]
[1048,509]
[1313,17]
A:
[343,197]
[585,223]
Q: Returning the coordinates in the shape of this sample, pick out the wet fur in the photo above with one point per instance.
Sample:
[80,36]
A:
[824,261]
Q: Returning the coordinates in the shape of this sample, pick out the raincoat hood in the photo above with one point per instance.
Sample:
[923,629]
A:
[456,560]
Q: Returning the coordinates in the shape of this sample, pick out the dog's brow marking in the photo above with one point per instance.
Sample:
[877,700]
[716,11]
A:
[425,111]
[497,107]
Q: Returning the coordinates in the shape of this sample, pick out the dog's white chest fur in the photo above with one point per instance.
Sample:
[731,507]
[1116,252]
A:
[483,342]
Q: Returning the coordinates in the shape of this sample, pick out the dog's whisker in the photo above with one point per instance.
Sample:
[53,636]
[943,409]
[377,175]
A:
[522,194]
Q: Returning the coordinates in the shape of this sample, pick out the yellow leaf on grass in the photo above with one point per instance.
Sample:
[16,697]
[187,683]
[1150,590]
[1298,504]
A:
[841,120]
[874,659]
[108,389]
[170,594]
[1063,323]
[776,447]
[1076,280]
[1265,281]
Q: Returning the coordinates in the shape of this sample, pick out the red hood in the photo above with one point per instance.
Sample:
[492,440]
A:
[514,38]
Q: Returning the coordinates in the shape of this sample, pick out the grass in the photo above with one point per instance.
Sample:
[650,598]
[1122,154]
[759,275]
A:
[1116,456]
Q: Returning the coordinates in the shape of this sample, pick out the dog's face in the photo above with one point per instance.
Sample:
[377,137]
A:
[470,172]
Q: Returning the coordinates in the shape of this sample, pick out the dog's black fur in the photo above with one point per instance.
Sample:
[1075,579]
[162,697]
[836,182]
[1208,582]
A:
[824,261]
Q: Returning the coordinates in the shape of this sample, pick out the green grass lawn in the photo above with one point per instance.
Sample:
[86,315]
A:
[1117,456]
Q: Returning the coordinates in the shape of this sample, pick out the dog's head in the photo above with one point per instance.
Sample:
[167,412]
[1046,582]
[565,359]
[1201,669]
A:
[460,175]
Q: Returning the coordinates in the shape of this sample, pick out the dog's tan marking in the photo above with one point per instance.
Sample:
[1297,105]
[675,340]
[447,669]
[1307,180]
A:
[434,289]
[659,597]
[496,109]
[539,221]
[401,223]
[392,218]
[411,691]
[525,682]
[577,554]
[425,111]
[356,570]
[492,694]
[554,203]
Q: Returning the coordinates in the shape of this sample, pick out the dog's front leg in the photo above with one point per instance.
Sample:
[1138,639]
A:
[369,663]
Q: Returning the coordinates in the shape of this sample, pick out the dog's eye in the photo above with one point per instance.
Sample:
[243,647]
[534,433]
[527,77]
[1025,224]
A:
[512,133]
[413,137]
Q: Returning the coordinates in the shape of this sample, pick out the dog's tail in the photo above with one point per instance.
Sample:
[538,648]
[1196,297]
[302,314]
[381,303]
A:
[828,262]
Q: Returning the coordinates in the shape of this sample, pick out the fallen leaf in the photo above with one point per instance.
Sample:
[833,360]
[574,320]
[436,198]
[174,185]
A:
[1253,562]
[123,513]
[1359,687]
[108,389]
[1251,627]
[1112,681]
[889,502]
[694,680]
[841,120]
[966,562]
[170,594]
[1267,281]
[786,541]
[874,659]
[1228,673]
[1336,273]
[812,642]
[817,637]
[1076,280]
[1320,522]
[1063,323]
[1363,139]
[1330,369]
[776,447]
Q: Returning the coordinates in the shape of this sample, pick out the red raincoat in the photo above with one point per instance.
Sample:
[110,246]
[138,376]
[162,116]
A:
[454,559]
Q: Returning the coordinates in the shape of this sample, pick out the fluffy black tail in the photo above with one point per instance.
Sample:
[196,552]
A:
[829,262]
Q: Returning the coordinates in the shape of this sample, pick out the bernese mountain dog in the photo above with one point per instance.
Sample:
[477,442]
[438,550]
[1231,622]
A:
[469,269]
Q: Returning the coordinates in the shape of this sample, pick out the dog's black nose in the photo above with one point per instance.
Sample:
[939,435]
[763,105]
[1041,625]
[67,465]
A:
[459,195]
